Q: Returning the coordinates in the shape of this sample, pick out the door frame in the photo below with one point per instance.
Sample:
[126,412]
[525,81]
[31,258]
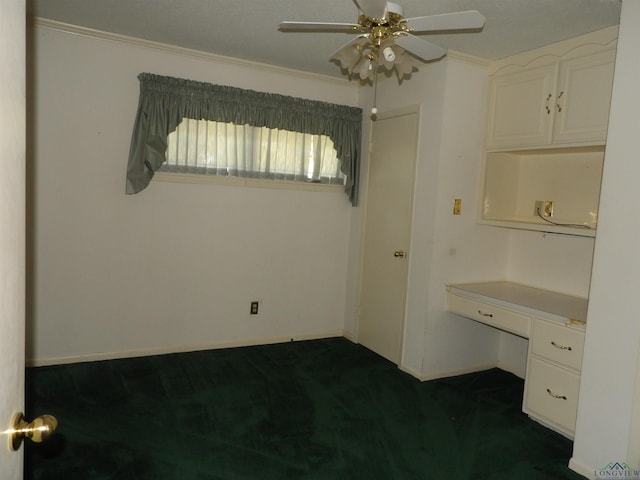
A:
[364,194]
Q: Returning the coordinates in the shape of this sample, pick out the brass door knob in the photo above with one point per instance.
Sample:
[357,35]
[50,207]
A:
[39,430]
[399,254]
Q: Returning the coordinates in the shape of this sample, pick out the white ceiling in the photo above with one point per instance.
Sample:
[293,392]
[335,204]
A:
[248,29]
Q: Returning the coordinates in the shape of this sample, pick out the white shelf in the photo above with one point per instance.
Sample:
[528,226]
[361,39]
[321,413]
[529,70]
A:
[569,177]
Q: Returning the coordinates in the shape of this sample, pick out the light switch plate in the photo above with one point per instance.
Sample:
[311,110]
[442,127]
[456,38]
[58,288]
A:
[457,206]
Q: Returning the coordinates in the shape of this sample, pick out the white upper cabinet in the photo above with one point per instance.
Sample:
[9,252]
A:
[554,100]
[547,119]
[521,107]
[583,97]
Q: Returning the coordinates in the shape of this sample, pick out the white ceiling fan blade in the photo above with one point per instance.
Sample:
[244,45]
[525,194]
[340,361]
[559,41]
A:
[320,26]
[446,21]
[373,8]
[420,48]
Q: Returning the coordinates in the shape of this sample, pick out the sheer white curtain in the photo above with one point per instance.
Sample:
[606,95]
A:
[218,148]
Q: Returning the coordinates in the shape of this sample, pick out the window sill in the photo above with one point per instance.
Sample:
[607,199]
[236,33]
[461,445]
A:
[170,177]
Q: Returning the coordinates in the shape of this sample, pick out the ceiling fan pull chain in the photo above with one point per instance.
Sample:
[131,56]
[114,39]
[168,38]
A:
[374,109]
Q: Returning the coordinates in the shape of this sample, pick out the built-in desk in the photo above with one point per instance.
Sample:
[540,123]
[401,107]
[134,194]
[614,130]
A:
[527,300]
[553,322]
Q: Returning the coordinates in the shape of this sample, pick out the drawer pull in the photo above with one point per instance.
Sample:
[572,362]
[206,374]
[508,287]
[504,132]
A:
[555,395]
[561,347]
[485,314]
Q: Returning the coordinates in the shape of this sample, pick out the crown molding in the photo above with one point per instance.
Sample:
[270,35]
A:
[173,49]
[213,57]
[605,38]
[465,57]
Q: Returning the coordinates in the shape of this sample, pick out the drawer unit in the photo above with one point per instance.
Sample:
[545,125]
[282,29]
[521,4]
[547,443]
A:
[498,317]
[551,395]
[555,325]
[557,343]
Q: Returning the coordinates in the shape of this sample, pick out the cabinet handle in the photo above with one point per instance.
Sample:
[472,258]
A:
[555,395]
[561,347]
[558,102]
[485,314]
[546,105]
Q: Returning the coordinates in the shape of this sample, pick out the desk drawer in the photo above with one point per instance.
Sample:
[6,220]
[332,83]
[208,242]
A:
[558,343]
[551,394]
[491,315]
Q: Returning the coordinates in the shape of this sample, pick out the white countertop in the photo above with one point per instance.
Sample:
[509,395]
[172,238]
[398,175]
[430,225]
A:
[537,301]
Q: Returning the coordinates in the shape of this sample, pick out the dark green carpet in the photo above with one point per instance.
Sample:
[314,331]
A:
[325,409]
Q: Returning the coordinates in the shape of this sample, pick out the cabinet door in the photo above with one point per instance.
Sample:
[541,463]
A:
[521,107]
[583,98]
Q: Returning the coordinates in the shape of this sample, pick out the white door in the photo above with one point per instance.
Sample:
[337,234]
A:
[12,226]
[387,233]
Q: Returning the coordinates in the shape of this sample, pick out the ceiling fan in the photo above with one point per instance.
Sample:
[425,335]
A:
[386,39]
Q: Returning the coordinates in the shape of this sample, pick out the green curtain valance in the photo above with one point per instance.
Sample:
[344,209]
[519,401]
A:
[165,101]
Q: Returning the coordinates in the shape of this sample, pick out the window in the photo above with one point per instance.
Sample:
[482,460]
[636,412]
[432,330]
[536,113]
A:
[225,149]
[249,121]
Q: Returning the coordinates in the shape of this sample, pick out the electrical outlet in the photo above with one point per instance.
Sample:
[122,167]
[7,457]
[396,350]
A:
[254,308]
[543,208]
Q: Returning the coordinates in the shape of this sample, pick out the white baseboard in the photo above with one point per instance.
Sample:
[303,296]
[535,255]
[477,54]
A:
[584,470]
[349,336]
[94,357]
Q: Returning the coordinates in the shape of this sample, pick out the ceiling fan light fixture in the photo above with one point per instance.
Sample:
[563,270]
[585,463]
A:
[389,54]
[367,68]
[405,64]
[349,57]
[364,59]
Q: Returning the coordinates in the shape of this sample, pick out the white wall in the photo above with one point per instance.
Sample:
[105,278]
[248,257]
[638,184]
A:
[560,263]
[174,267]
[606,428]
[463,251]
